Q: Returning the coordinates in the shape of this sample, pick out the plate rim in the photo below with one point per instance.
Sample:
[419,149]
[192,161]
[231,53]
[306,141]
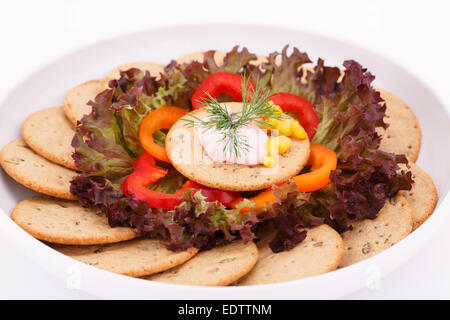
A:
[426,230]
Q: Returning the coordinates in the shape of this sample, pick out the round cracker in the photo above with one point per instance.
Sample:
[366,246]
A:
[135,258]
[190,159]
[403,134]
[219,266]
[75,102]
[35,172]
[154,68]
[49,133]
[66,222]
[370,237]
[422,197]
[320,252]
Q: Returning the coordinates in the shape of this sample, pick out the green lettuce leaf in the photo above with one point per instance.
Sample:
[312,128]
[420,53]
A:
[99,149]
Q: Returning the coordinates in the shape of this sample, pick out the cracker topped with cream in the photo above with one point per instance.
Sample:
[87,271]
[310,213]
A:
[187,154]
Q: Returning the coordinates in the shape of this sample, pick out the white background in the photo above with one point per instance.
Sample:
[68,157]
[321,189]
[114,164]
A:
[414,34]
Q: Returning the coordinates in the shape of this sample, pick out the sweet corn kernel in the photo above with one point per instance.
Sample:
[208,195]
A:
[273,122]
[270,106]
[284,126]
[278,145]
[277,108]
[268,161]
[298,131]
[283,144]
[272,147]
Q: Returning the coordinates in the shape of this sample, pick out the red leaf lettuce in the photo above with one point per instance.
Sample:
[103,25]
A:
[107,142]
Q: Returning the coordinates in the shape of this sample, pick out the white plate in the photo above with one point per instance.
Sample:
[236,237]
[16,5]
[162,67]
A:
[47,87]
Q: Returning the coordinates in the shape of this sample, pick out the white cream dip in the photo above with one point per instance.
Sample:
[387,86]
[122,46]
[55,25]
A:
[213,143]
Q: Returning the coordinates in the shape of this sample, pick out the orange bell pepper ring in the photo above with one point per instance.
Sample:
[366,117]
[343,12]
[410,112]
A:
[322,161]
[161,118]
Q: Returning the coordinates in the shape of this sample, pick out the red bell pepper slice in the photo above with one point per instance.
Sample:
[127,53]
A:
[220,83]
[146,172]
[304,109]
[224,197]
[231,84]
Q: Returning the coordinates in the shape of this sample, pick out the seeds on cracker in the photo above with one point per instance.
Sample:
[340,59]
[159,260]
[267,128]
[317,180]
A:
[35,172]
[66,222]
[369,237]
[320,252]
[135,258]
[220,266]
[50,134]
[403,134]
[184,150]
[422,197]
[75,102]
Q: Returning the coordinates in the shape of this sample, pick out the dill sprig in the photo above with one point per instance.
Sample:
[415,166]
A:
[255,108]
